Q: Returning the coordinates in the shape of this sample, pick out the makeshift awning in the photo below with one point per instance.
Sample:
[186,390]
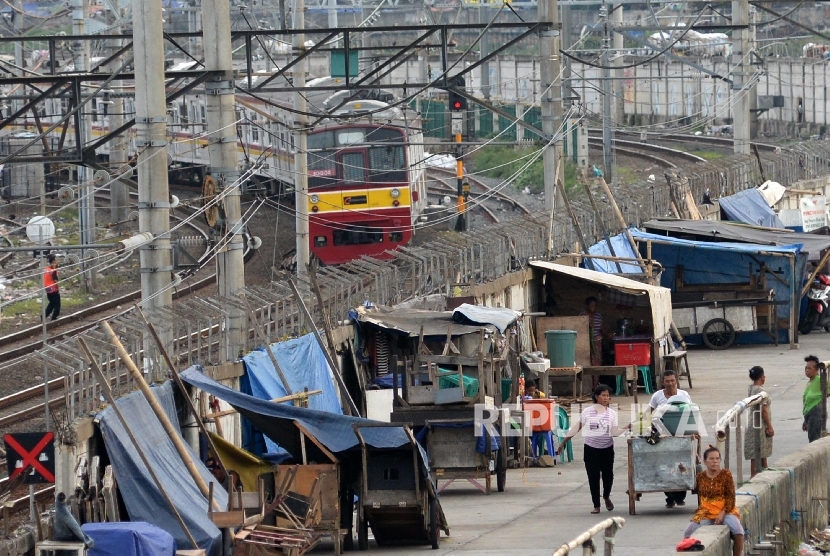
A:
[279,421]
[712,263]
[143,500]
[717,231]
[409,321]
[659,298]
[750,207]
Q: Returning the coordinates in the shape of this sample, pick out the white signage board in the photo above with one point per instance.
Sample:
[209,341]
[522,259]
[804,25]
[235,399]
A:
[812,212]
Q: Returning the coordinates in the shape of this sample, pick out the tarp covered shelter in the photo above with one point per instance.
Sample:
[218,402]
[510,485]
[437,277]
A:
[567,287]
[143,500]
[656,298]
[277,421]
[731,263]
[717,231]
[750,207]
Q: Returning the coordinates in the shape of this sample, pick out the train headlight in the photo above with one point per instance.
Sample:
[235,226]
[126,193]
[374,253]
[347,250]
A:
[395,193]
[315,199]
[314,208]
[396,203]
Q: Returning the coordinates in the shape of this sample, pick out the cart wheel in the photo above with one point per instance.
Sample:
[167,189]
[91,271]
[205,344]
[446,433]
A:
[718,334]
[501,473]
[363,534]
[434,531]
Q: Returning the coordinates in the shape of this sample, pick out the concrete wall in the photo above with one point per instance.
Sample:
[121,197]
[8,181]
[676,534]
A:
[793,496]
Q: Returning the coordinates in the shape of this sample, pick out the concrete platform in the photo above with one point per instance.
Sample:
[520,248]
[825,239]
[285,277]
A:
[542,509]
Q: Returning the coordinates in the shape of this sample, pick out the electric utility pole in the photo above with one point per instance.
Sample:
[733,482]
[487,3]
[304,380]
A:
[119,192]
[301,143]
[151,142]
[618,85]
[607,152]
[551,101]
[740,77]
[221,116]
[86,206]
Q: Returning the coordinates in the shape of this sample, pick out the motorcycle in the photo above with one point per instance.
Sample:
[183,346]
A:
[818,299]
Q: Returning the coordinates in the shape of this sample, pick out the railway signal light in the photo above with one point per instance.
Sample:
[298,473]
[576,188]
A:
[457,102]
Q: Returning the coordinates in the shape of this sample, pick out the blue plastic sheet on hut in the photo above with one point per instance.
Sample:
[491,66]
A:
[276,421]
[304,365]
[622,248]
[142,498]
[134,538]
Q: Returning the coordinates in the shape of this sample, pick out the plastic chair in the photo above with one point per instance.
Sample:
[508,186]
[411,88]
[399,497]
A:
[645,372]
[537,445]
[563,425]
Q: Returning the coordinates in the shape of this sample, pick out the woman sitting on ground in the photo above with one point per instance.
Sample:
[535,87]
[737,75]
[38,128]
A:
[716,490]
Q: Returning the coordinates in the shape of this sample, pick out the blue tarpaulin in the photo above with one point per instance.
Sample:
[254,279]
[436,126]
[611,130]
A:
[622,248]
[133,538]
[142,498]
[276,421]
[750,207]
[726,263]
[304,365]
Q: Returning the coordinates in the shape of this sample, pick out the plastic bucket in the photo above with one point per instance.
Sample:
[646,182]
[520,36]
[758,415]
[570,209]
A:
[542,413]
[561,347]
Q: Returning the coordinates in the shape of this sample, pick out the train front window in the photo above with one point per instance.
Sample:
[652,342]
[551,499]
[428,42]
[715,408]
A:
[354,169]
[350,137]
[359,235]
[387,163]
[322,169]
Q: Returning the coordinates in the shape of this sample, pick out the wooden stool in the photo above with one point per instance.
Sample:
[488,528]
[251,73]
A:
[48,548]
[677,362]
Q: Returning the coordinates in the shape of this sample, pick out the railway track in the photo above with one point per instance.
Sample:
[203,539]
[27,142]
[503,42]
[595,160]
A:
[650,137]
[655,153]
[478,189]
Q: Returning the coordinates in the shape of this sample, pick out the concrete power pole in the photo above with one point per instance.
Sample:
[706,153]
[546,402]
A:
[551,103]
[607,148]
[230,266]
[86,207]
[301,144]
[119,192]
[151,142]
[618,85]
[740,73]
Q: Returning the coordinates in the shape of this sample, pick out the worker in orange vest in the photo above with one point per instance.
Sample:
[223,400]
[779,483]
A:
[50,284]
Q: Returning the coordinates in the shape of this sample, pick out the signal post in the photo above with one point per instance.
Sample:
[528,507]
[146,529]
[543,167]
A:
[458,112]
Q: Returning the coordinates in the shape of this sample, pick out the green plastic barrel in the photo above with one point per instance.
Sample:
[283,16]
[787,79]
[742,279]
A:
[682,418]
[561,347]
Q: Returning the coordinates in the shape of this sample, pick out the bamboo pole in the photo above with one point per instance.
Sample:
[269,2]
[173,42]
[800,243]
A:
[180,384]
[312,274]
[107,391]
[623,223]
[815,272]
[615,522]
[343,390]
[297,396]
[264,340]
[577,228]
[157,409]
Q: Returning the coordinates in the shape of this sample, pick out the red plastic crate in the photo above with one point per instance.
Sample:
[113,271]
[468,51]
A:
[632,353]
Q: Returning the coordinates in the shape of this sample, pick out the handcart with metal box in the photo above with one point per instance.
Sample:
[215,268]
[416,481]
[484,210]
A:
[664,464]
[397,498]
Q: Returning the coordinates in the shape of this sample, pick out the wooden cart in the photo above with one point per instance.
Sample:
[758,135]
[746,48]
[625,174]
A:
[451,448]
[397,499]
[667,466]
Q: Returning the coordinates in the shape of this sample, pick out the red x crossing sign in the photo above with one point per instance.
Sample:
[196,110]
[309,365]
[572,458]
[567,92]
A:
[31,449]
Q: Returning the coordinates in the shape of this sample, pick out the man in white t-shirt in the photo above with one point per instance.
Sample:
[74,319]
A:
[659,398]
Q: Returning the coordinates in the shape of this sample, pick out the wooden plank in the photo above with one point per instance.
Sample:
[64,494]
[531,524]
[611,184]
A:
[578,323]
[228,519]
[316,442]
[453,360]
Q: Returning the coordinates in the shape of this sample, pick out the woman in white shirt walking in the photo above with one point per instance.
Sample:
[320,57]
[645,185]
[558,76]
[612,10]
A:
[601,425]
